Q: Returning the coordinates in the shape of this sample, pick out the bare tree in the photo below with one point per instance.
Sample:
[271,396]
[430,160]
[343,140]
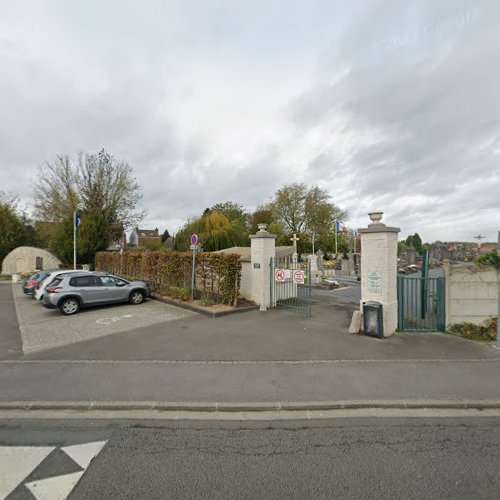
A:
[56,190]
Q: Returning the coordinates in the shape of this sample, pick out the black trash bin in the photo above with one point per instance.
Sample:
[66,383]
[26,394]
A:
[373,322]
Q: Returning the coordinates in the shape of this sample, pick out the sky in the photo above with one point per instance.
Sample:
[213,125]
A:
[388,105]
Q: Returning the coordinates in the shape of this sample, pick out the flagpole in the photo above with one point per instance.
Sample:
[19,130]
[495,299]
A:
[74,240]
[336,223]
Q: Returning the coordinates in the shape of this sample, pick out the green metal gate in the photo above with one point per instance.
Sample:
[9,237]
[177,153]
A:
[290,284]
[421,304]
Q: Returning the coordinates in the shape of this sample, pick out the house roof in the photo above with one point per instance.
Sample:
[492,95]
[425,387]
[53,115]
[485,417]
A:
[148,233]
[245,252]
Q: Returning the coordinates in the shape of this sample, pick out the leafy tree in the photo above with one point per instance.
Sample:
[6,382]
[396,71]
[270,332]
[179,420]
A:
[102,189]
[237,216]
[402,247]
[233,211]
[214,230]
[417,242]
[165,236]
[300,209]
[13,231]
[414,240]
[262,215]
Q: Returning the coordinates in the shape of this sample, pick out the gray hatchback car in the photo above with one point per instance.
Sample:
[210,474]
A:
[70,292]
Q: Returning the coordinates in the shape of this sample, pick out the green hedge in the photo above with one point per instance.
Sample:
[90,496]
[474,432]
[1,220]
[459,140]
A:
[218,276]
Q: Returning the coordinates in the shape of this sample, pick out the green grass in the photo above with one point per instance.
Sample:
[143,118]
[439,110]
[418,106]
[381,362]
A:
[485,332]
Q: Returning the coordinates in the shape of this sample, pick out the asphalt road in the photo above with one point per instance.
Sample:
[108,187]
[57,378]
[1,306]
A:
[338,458]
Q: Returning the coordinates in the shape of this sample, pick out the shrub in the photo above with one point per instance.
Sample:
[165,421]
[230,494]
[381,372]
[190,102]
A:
[206,302]
[180,293]
[487,331]
[490,259]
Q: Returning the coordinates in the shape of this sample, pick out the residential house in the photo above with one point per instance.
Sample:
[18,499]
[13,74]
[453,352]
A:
[141,237]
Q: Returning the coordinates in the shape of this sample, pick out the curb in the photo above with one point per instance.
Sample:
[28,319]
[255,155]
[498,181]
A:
[210,314]
[224,407]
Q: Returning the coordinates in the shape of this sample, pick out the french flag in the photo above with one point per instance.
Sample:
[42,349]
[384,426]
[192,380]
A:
[340,227]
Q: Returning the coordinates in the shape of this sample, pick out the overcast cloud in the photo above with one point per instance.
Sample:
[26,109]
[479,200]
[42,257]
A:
[388,105]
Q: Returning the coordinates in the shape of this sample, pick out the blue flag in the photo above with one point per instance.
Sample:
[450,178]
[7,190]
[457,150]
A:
[77,221]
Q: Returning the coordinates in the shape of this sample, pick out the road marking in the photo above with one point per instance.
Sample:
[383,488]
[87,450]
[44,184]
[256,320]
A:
[17,463]
[495,359]
[83,454]
[114,319]
[54,488]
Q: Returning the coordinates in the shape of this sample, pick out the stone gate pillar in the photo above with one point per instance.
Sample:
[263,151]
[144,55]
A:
[379,265]
[263,247]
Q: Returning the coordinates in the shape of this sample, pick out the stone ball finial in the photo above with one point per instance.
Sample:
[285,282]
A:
[376,217]
[262,227]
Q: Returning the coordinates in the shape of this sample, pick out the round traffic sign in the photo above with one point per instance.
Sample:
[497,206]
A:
[298,276]
[194,239]
[279,274]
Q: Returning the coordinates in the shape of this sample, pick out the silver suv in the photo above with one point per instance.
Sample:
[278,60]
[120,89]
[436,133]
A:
[70,292]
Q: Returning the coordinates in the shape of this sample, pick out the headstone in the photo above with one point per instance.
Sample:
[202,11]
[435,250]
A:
[315,274]
[319,259]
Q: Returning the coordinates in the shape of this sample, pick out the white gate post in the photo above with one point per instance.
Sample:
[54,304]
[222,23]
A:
[263,247]
[379,267]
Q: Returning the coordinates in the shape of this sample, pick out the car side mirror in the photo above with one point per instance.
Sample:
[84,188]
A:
[120,283]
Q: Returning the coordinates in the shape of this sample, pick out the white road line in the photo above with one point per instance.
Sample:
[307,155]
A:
[17,463]
[495,359]
[83,454]
[54,488]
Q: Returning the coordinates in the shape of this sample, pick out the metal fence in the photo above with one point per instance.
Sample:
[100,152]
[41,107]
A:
[290,286]
[421,304]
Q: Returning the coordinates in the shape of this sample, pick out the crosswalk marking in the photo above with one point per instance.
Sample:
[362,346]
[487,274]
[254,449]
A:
[83,454]
[54,488]
[17,463]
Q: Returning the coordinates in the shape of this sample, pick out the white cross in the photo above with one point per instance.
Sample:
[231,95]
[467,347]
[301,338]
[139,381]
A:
[294,240]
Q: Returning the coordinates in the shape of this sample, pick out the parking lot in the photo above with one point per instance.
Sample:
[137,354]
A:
[43,329]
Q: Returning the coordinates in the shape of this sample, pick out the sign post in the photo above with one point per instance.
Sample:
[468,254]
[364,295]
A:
[194,247]
[423,286]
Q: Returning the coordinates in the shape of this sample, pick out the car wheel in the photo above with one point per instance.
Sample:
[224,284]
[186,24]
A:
[69,306]
[136,297]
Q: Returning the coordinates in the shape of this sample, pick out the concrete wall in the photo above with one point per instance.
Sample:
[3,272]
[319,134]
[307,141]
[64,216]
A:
[246,280]
[471,293]
[24,259]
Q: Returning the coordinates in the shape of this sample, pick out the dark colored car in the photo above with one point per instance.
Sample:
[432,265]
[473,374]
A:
[29,286]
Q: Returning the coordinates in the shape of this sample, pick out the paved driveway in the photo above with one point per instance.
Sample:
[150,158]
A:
[42,329]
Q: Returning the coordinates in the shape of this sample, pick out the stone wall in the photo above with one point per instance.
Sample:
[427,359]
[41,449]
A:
[471,293]
[27,259]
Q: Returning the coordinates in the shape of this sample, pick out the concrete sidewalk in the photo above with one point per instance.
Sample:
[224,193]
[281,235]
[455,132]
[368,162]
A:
[254,359]
[449,381]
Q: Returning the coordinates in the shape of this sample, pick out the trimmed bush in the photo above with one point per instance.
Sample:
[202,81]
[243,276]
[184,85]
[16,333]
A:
[218,276]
